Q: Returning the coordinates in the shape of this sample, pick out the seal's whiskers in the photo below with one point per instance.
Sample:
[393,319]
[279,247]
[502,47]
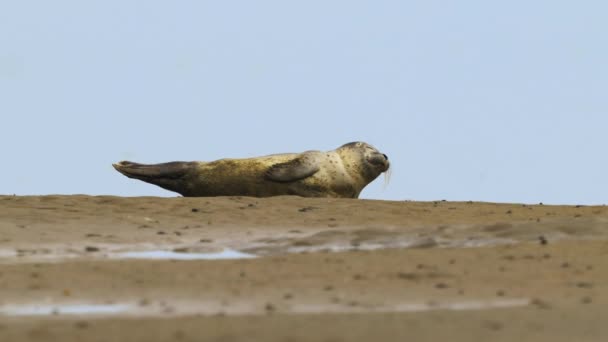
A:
[387,177]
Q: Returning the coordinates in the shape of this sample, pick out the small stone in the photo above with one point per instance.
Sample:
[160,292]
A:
[492,325]
[541,304]
[81,324]
[584,285]
[179,335]
[407,276]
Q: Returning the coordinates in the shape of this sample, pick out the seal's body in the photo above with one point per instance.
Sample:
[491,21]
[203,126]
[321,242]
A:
[342,172]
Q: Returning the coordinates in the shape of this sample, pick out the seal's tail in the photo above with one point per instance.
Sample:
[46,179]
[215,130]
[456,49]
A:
[171,176]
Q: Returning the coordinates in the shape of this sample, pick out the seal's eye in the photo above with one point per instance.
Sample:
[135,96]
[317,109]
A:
[385,156]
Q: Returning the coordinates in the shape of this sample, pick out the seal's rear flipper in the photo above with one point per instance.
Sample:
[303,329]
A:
[170,176]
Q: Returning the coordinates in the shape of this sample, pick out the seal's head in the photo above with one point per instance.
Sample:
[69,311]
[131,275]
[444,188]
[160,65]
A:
[371,161]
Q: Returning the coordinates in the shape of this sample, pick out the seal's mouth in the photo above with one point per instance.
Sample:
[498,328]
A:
[380,161]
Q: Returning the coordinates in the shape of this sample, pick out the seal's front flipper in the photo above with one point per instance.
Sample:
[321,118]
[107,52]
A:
[170,176]
[293,170]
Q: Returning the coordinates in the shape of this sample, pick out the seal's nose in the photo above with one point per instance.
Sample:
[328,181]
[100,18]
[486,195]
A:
[385,156]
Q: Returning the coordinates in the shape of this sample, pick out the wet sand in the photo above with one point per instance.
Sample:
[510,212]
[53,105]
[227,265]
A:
[328,270]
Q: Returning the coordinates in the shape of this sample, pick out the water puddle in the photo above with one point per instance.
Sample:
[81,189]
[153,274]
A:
[65,309]
[419,307]
[466,305]
[208,308]
[172,255]
[115,252]
[345,244]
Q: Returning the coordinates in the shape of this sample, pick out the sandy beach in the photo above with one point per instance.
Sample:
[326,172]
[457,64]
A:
[84,268]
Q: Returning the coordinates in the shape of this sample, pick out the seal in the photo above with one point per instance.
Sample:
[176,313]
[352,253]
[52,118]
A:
[342,172]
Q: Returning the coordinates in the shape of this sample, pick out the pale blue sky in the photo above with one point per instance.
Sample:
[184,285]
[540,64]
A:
[471,100]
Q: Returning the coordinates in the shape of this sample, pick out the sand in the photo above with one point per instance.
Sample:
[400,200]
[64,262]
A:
[327,270]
